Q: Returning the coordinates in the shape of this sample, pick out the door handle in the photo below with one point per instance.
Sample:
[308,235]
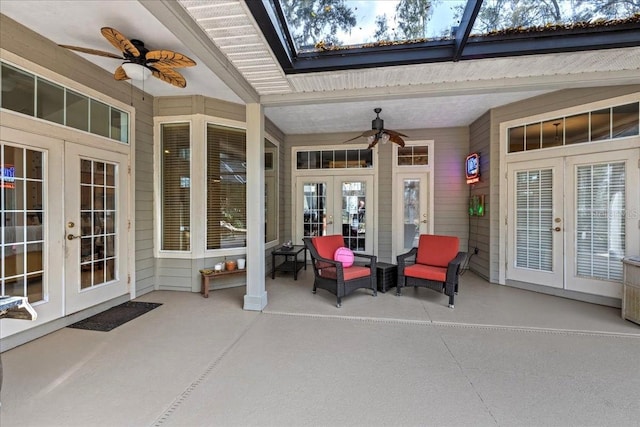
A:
[556,229]
[71,237]
[424,221]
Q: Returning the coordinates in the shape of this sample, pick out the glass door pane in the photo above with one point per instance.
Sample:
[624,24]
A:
[21,214]
[314,208]
[534,219]
[353,216]
[411,212]
[98,222]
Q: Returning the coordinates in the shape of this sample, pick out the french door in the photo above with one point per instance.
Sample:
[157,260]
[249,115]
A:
[328,205]
[95,212]
[570,221]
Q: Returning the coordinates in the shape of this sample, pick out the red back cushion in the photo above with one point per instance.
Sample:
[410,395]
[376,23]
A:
[327,245]
[437,250]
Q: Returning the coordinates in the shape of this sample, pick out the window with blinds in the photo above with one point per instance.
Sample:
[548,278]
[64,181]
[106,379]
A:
[270,192]
[176,185]
[226,187]
[534,216]
[600,214]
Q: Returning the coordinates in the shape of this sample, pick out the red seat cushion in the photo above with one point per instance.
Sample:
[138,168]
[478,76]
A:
[327,245]
[428,272]
[437,250]
[353,272]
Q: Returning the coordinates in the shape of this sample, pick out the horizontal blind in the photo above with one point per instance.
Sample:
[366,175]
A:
[600,220]
[176,184]
[534,216]
[226,187]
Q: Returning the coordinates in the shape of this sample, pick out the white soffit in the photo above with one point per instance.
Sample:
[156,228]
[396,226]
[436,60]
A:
[554,68]
[232,28]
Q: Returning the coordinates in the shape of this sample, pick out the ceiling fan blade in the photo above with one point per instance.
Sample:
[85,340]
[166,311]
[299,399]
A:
[168,58]
[365,134]
[396,139]
[120,74]
[393,132]
[373,143]
[91,51]
[119,41]
[170,76]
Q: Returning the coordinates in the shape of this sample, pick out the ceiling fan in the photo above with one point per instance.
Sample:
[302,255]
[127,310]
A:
[379,133]
[140,62]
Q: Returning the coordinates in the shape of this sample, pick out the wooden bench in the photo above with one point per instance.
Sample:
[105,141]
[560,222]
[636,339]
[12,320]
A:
[209,273]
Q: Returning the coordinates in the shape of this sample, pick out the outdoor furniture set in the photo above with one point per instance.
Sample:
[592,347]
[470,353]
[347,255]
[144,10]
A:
[434,264]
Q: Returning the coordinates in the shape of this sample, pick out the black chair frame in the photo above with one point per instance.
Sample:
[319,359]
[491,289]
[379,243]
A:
[450,286]
[339,286]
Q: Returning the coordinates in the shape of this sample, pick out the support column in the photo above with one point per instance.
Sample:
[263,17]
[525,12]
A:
[256,296]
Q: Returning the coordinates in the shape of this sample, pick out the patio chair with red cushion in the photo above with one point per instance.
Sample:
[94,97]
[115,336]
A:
[434,264]
[338,276]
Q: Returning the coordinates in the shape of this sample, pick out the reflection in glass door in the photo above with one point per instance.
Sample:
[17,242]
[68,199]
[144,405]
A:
[353,196]
[22,215]
[98,223]
[315,208]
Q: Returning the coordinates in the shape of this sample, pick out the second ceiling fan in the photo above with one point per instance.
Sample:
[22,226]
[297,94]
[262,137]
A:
[379,133]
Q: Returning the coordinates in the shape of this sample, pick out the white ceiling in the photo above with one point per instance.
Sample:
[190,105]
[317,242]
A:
[411,97]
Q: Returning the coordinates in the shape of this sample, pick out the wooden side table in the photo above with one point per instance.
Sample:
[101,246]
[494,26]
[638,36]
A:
[208,274]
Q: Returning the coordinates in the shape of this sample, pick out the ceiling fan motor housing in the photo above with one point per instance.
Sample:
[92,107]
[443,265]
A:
[377,124]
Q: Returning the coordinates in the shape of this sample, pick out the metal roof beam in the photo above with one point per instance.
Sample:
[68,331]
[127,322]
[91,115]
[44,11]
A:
[464,29]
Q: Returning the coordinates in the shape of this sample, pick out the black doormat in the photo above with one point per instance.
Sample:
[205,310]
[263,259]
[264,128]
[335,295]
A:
[115,316]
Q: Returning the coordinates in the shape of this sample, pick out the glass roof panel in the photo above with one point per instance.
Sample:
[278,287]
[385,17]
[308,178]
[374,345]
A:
[317,24]
[502,15]
[325,35]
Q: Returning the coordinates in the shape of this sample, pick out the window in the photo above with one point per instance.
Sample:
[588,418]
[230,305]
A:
[270,192]
[34,96]
[175,192]
[607,123]
[226,187]
[334,159]
[413,155]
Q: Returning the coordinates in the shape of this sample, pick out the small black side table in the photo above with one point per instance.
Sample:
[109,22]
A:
[291,261]
[387,276]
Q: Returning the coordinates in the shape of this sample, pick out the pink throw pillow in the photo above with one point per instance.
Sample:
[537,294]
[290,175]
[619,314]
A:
[345,256]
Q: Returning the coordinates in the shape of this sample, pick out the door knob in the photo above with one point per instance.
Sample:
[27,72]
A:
[71,237]
[557,229]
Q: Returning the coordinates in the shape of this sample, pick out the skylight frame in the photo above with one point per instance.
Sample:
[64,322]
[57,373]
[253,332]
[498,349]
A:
[462,47]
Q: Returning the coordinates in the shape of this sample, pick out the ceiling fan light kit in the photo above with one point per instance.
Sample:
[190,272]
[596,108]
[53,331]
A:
[140,62]
[379,133]
[136,71]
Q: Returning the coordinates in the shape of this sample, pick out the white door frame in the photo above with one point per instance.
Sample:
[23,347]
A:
[555,226]
[52,305]
[498,224]
[334,203]
[421,172]
[76,298]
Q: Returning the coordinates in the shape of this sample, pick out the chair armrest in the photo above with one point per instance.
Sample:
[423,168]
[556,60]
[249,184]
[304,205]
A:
[373,259]
[454,266]
[402,259]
